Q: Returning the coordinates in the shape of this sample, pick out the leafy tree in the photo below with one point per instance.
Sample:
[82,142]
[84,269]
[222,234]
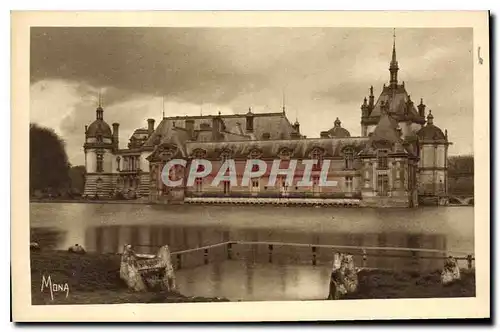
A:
[461,166]
[461,175]
[49,166]
[77,178]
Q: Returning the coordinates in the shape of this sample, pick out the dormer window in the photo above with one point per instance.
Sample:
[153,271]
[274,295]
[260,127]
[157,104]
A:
[285,154]
[99,138]
[317,156]
[225,155]
[382,159]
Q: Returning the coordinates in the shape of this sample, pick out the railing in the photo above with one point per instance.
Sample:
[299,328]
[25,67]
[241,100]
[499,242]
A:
[264,194]
[319,253]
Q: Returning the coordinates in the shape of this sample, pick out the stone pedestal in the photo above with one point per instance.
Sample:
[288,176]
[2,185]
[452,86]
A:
[451,271]
[344,277]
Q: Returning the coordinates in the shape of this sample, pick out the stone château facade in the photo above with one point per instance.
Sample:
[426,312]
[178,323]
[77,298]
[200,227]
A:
[399,160]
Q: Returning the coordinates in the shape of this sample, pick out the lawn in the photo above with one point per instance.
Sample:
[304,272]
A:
[94,279]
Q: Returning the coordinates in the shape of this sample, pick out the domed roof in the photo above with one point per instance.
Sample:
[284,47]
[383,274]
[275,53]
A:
[430,131]
[99,127]
[338,131]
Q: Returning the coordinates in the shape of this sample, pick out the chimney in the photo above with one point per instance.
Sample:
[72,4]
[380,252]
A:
[116,134]
[324,134]
[249,124]
[296,126]
[364,108]
[421,108]
[189,123]
[216,127]
[371,103]
[151,126]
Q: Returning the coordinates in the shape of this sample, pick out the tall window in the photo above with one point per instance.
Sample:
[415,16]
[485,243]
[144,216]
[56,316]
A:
[255,185]
[199,185]
[317,156]
[99,166]
[382,159]
[315,184]
[283,185]
[348,183]
[349,158]
[227,187]
[383,184]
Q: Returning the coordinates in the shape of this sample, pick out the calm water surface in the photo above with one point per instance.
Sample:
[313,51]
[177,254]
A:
[256,272]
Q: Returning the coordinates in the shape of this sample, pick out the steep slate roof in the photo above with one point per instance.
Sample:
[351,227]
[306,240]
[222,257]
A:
[299,148]
[386,135]
[399,107]
[276,124]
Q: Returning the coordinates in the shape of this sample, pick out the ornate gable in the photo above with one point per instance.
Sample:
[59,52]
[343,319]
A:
[285,153]
[163,152]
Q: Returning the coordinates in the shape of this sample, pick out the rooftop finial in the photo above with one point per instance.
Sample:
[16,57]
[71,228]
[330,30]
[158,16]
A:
[430,117]
[99,111]
[393,68]
[337,122]
[163,106]
[283,101]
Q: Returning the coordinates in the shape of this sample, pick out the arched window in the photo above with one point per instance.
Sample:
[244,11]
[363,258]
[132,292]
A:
[225,155]
[382,159]
[349,158]
[99,164]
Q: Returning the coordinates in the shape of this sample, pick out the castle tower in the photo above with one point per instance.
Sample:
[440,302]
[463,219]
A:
[433,163]
[99,157]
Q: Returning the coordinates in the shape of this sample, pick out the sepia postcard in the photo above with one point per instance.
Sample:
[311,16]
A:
[250,166]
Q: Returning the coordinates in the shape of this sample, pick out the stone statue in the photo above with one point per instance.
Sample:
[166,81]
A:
[129,272]
[147,274]
[344,277]
[451,271]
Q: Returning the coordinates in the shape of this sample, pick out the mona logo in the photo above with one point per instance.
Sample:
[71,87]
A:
[53,287]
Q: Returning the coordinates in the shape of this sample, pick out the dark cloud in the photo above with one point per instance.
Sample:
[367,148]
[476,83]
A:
[321,70]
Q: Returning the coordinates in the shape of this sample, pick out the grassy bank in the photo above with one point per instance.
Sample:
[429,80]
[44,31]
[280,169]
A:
[94,279]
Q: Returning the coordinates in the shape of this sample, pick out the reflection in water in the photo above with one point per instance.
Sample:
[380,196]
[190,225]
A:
[257,271]
[261,281]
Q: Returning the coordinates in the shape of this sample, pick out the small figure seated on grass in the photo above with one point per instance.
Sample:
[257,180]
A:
[451,271]
[76,249]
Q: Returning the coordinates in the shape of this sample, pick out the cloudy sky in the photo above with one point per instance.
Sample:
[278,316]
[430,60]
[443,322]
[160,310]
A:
[324,74]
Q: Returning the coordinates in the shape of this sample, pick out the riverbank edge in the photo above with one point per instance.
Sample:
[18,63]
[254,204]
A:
[135,202]
[94,279]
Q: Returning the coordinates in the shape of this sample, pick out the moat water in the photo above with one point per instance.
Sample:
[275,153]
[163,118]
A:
[257,272]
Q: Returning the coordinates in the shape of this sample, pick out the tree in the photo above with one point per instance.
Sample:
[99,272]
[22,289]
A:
[461,175]
[77,178]
[461,165]
[49,166]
